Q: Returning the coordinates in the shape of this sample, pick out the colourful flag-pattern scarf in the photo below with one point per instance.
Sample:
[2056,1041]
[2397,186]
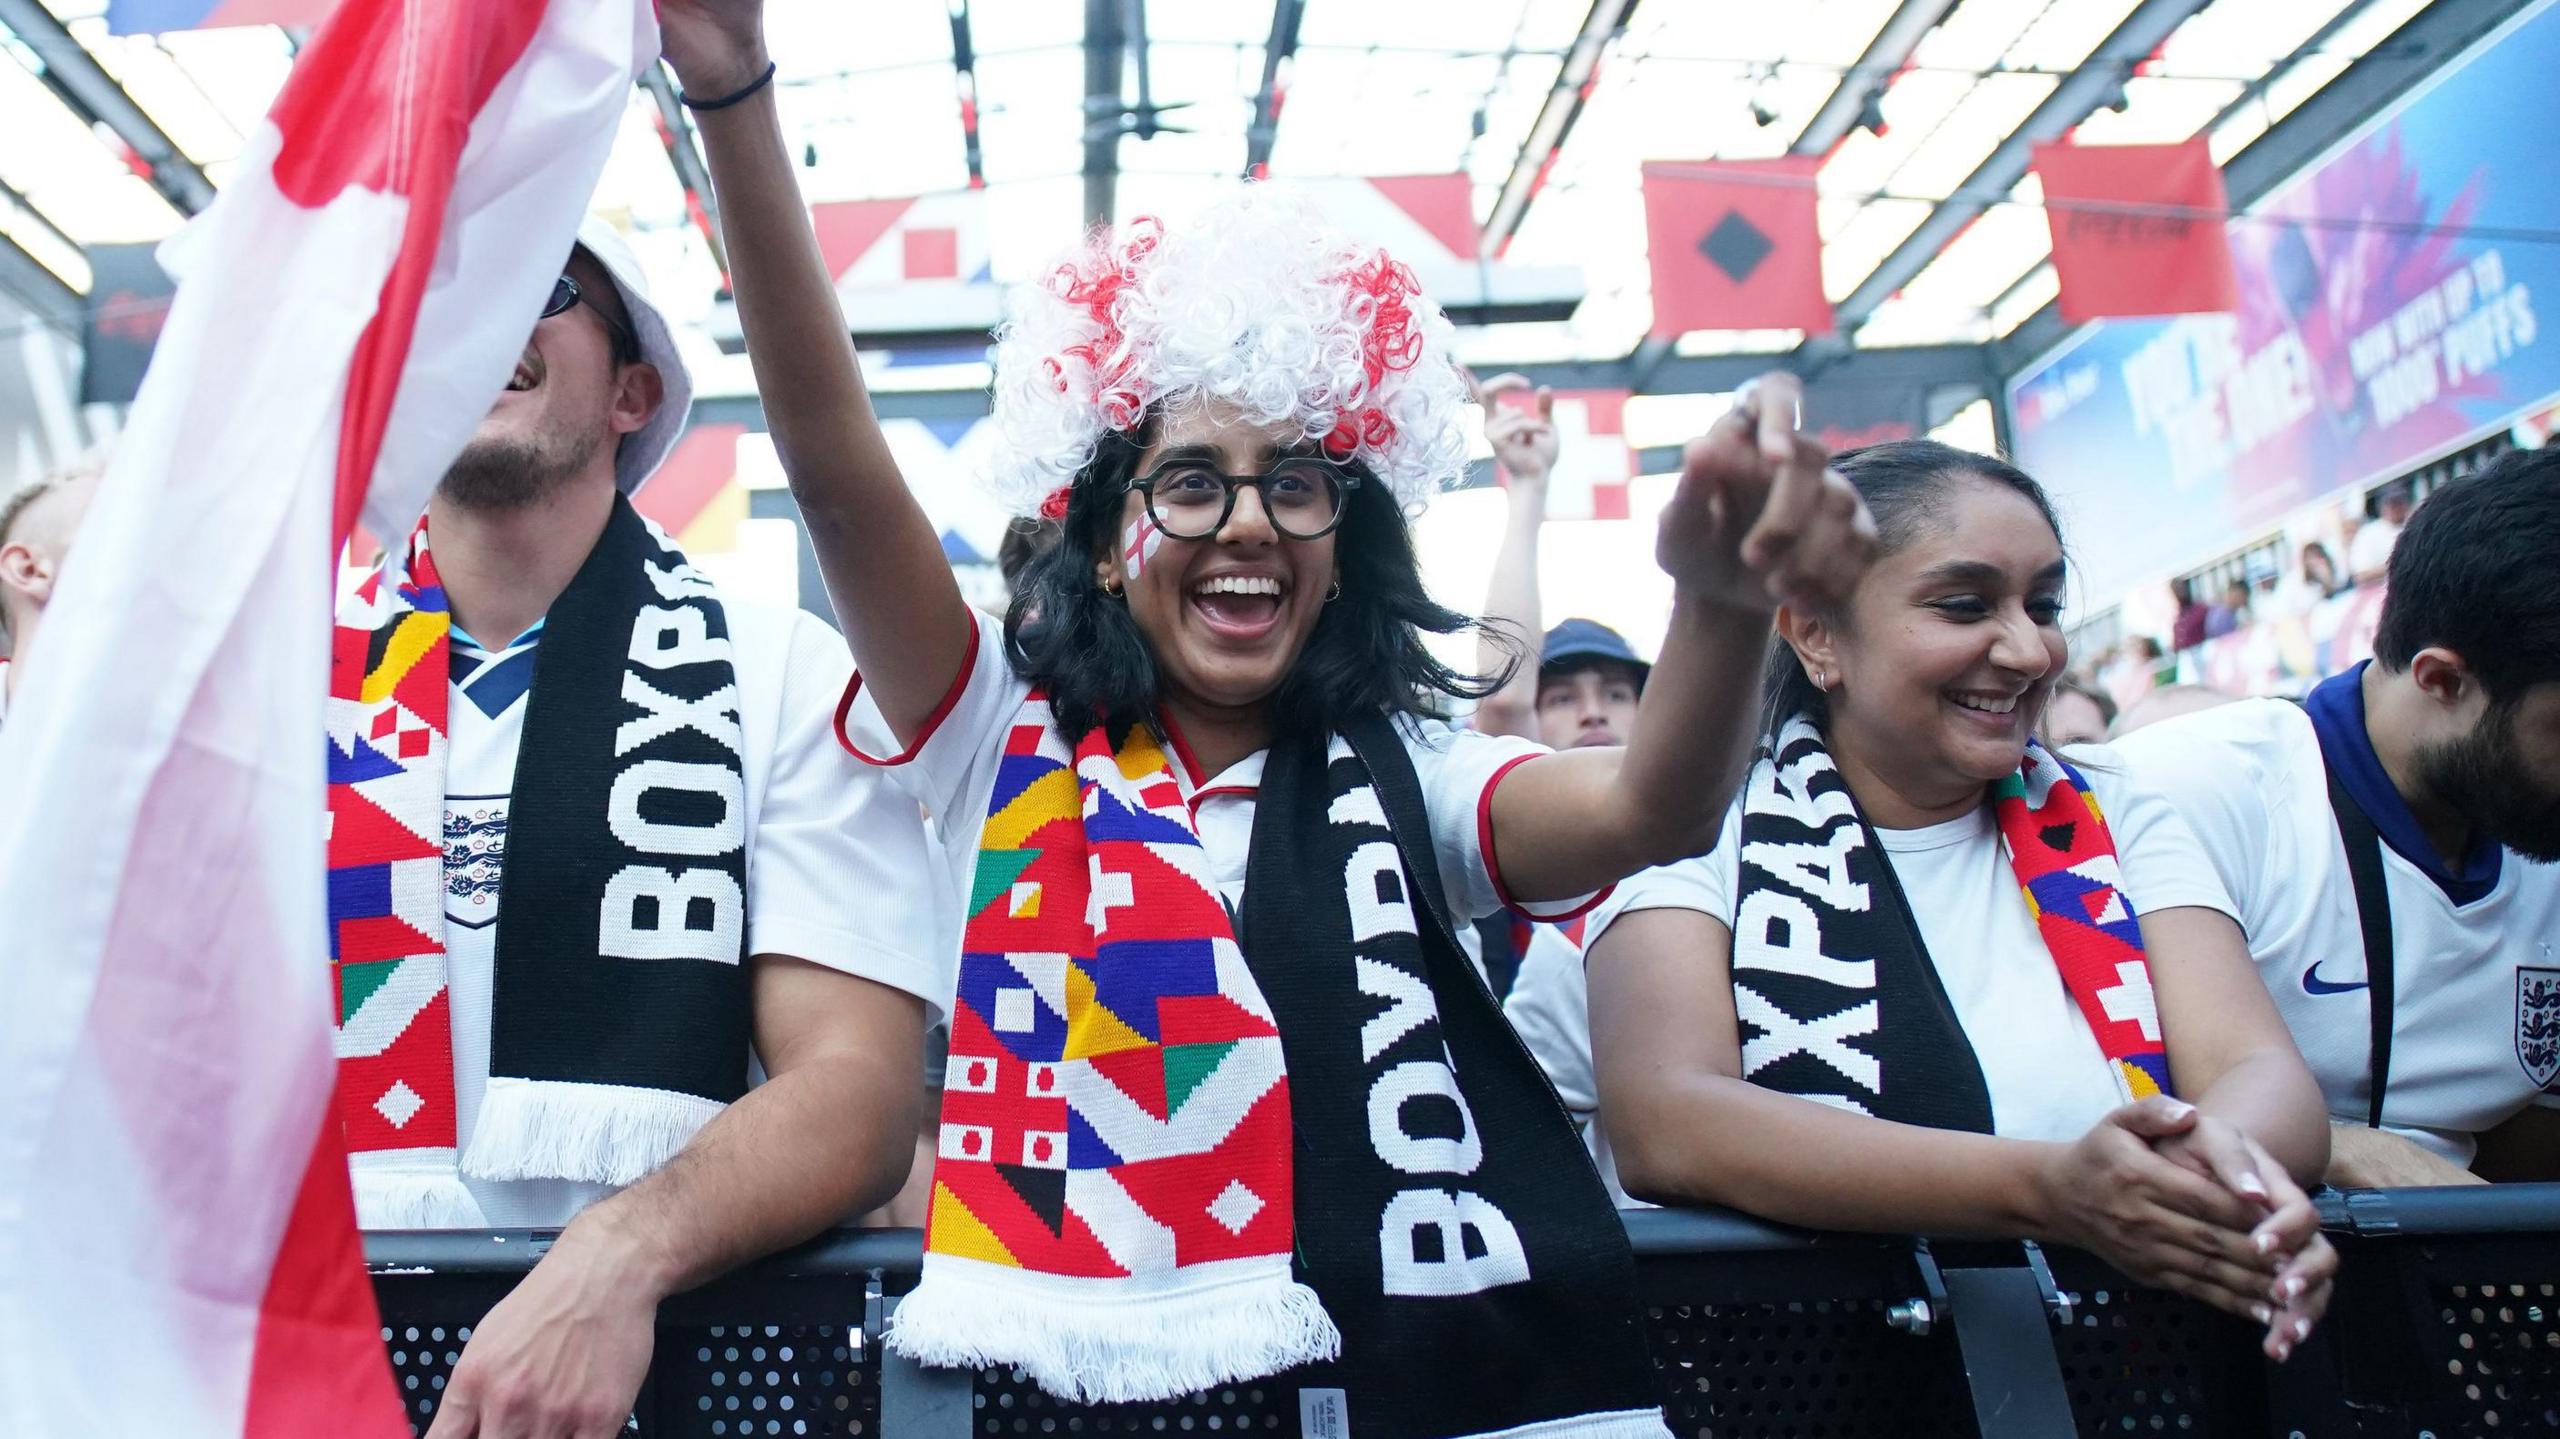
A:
[2065,861]
[1111,1206]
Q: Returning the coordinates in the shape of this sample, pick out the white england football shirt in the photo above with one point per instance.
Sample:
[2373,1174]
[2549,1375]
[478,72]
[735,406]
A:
[2474,1039]
[832,854]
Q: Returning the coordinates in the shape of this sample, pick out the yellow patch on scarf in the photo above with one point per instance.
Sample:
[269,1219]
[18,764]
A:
[957,1231]
[1141,757]
[417,633]
[1092,1029]
[1045,800]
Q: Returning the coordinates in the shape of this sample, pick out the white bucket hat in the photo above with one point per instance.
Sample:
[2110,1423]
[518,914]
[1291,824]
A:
[645,447]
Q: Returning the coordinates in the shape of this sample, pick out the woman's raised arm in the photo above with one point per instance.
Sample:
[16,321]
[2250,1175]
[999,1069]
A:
[1757,519]
[894,595]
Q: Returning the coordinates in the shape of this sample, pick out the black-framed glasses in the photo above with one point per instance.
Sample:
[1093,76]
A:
[566,291]
[1191,499]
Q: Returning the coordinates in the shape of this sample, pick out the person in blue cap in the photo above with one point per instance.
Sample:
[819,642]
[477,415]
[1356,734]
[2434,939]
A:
[1588,681]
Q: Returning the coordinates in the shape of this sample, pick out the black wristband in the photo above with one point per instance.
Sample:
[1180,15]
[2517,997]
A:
[725,101]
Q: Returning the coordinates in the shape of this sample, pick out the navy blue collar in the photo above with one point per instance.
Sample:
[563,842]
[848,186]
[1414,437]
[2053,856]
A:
[2336,708]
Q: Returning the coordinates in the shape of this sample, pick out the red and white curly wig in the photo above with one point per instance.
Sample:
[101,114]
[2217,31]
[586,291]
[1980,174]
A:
[1255,304]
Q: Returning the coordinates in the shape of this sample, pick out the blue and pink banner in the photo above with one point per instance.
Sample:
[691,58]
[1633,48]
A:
[2388,312]
[153,17]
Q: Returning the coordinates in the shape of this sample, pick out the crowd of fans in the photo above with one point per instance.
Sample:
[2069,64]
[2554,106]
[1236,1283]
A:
[1840,910]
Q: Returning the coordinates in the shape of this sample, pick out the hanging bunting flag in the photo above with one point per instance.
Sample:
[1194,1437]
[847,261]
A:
[2137,229]
[913,273]
[884,244]
[1735,245]
[157,17]
[1593,463]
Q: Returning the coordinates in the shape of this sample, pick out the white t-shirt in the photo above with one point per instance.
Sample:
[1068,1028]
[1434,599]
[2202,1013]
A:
[951,772]
[831,852]
[1549,1006]
[2250,782]
[2040,1062]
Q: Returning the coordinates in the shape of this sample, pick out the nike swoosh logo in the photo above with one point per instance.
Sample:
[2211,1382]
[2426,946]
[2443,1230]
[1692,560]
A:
[2312,983]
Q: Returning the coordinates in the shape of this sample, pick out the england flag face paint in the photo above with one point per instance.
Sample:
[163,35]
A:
[1138,544]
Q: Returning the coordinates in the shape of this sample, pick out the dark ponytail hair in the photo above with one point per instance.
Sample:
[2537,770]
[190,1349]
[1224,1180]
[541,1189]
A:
[1064,634]
[1905,484]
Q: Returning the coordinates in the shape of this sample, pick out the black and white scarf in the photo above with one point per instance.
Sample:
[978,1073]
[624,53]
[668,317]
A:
[1838,998]
[1447,1212]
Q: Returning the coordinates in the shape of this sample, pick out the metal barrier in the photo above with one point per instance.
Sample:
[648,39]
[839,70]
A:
[2446,1322]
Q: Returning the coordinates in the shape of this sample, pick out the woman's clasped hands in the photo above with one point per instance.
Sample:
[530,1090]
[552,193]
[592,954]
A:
[2183,1201]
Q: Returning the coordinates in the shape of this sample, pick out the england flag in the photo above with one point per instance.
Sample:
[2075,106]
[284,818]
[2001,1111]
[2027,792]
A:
[178,1254]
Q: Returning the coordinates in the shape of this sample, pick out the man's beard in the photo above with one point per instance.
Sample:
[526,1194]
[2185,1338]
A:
[513,472]
[2483,777]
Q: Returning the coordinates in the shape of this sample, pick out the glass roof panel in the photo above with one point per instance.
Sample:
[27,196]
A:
[871,106]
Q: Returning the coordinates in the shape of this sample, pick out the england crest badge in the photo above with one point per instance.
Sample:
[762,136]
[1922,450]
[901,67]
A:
[2538,1023]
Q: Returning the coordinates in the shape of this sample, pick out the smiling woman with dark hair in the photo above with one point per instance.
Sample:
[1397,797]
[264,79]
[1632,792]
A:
[1933,977]
[1225,1098]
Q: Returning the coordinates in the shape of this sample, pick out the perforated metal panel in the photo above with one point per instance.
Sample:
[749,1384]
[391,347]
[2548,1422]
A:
[422,1358]
[1008,1403]
[2139,1361]
[745,1382]
[1829,1368]
[2505,1354]
[761,1381]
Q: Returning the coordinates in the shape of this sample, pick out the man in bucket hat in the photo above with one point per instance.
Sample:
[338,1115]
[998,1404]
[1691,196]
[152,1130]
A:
[594,853]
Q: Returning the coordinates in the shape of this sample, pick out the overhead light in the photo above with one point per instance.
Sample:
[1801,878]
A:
[809,155]
[1761,114]
[2118,99]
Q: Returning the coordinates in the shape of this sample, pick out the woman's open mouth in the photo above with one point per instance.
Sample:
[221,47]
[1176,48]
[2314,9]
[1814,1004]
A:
[1994,714]
[1239,607]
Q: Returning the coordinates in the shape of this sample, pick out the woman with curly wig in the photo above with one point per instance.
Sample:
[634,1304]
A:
[1225,1100]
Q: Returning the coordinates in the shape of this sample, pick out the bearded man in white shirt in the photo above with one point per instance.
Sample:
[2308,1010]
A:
[595,858]
[2426,995]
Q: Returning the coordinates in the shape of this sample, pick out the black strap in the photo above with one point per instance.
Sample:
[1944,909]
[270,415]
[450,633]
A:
[2373,913]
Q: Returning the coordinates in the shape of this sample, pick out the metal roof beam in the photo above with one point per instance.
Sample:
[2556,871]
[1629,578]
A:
[1564,106]
[1885,55]
[1276,56]
[2422,46]
[79,78]
[1105,48]
[24,278]
[675,131]
[2072,101]
[964,72]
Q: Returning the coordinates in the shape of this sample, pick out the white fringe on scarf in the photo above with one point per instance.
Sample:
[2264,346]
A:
[596,1133]
[1113,1341]
[409,1193]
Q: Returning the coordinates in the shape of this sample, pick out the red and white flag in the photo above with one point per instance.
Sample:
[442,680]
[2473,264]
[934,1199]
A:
[178,1253]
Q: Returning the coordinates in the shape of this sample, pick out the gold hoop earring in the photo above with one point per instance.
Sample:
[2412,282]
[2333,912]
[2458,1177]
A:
[1112,590]
[1333,594]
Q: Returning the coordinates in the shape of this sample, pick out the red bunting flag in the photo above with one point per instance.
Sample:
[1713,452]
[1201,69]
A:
[1735,246]
[2137,229]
